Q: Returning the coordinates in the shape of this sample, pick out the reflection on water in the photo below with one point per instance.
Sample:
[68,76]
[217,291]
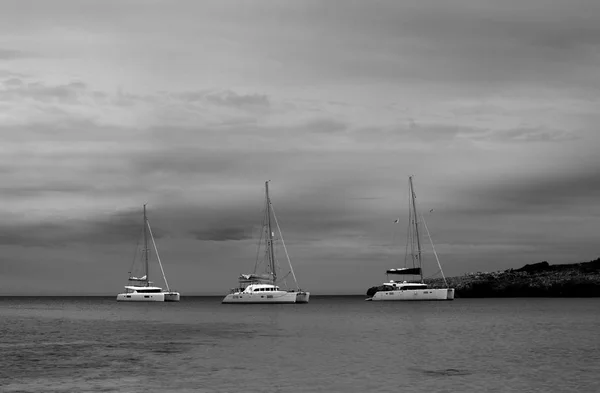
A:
[333,344]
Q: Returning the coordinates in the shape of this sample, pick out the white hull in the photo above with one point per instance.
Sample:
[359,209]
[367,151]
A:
[414,294]
[278,297]
[141,297]
[148,297]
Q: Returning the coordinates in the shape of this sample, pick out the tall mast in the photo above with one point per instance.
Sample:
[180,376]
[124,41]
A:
[146,246]
[416,219]
[270,235]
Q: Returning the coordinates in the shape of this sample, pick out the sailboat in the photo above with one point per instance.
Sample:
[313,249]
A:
[405,290]
[141,289]
[262,287]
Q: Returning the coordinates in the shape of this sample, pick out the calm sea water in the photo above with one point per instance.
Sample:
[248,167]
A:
[333,344]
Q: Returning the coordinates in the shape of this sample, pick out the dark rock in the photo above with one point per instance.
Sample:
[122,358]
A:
[534,267]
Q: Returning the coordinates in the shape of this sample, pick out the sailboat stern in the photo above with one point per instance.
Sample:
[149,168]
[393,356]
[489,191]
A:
[302,297]
[171,296]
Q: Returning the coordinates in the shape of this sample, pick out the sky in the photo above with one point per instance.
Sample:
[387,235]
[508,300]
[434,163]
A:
[190,106]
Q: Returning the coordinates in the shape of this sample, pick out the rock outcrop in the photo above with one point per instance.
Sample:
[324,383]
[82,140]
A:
[534,280]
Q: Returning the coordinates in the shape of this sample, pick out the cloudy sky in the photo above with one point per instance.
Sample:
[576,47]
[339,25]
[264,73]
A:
[190,106]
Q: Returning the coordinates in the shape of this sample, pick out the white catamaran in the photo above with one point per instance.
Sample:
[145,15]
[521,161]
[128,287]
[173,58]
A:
[263,288]
[403,290]
[141,288]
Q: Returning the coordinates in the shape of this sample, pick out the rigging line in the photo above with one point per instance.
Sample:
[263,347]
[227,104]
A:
[260,240]
[434,253]
[407,242]
[137,246]
[284,247]
[284,277]
[157,256]
[433,275]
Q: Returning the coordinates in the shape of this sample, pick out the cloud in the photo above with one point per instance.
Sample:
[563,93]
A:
[325,126]
[223,234]
[11,54]
[527,135]
[552,193]
[63,231]
[232,99]
[489,104]
[15,88]
[39,189]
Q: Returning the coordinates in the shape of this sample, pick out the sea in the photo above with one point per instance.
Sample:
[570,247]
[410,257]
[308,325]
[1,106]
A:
[333,344]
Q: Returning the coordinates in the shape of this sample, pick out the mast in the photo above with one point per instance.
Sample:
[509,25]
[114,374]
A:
[146,246]
[270,234]
[416,220]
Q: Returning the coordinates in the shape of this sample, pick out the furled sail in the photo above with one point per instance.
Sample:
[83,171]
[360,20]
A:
[253,278]
[139,278]
[405,270]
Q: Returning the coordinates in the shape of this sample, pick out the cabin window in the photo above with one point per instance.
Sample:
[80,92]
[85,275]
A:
[128,295]
[146,296]
[256,289]
[413,287]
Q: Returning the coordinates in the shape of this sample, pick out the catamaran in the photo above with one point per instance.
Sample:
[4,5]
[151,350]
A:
[262,287]
[141,289]
[405,290]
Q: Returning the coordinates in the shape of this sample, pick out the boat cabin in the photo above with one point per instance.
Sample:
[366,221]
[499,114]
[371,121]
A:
[253,288]
[404,285]
[133,289]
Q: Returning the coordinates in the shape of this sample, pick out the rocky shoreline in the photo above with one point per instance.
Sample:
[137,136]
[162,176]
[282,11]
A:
[535,280]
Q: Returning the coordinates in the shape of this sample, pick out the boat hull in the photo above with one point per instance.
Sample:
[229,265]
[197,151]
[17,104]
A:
[302,297]
[414,295]
[279,297]
[172,296]
[141,297]
[149,297]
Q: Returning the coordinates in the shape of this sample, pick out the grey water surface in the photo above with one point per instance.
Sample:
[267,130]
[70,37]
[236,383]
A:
[332,344]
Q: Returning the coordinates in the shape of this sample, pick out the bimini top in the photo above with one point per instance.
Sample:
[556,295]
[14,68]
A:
[143,289]
[261,287]
[405,270]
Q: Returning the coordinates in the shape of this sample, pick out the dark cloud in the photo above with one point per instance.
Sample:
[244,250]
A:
[190,160]
[36,190]
[528,135]
[221,98]
[223,234]
[232,99]
[470,45]
[15,88]
[11,54]
[325,126]
[569,192]
[62,231]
